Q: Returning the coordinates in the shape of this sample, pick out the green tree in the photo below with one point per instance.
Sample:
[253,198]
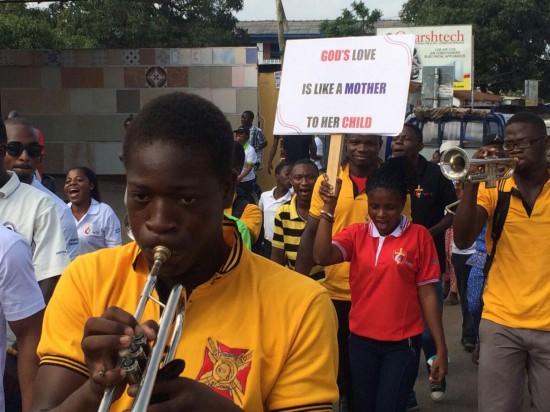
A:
[120,24]
[359,21]
[511,37]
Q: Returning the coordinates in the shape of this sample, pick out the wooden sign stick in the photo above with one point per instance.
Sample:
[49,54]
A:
[334,157]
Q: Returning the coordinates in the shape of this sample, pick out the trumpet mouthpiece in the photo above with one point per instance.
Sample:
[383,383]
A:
[161,253]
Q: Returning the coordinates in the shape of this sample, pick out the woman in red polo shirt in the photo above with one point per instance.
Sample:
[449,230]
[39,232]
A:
[393,270]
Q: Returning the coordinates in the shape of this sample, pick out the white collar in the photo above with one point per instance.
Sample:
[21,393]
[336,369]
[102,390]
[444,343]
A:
[401,227]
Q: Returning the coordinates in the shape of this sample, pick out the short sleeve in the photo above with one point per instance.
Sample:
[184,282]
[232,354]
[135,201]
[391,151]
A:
[113,235]
[316,202]
[486,198]
[250,156]
[50,255]
[64,320]
[252,218]
[20,296]
[308,378]
[345,241]
[278,231]
[428,261]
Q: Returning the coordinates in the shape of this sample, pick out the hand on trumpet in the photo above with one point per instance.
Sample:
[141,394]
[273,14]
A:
[104,337]
[173,393]
[489,152]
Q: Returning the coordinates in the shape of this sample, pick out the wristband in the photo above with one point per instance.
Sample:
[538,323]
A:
[327,216]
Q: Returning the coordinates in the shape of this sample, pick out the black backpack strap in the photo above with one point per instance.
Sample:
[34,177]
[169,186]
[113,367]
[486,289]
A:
[499,217]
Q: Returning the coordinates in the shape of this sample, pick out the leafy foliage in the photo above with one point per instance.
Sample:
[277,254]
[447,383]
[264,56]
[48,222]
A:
[511,37]
[120,24]
[359,21]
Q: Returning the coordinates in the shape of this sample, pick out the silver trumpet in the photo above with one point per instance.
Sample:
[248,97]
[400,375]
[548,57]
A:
[455,165]
[140,361]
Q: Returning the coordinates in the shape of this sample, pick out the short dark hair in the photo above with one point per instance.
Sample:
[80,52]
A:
[416,130]
[308,162]
[394,174]
[13,114]
[279,167]
[184,120]
[529,118]
[92,177]
[18,121]
[249,113]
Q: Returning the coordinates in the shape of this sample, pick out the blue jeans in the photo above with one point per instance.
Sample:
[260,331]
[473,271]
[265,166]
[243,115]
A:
[462,270]
[382,372]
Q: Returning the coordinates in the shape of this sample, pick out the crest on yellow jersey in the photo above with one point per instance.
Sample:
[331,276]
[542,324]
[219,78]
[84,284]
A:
[226,370]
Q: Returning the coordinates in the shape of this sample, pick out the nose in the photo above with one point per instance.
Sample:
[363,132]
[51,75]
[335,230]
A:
[160,217]
[24,155]
[362,147]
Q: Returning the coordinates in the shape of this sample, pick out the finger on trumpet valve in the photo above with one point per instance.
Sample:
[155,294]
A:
[134,358]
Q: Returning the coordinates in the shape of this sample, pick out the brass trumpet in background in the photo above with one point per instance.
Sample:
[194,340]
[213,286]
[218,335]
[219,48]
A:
[455,165]
[139,360]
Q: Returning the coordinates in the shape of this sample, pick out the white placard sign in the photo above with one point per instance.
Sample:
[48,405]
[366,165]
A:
[345,85]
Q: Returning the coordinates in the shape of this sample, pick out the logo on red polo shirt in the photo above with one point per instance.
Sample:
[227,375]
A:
[226,370]
[399,256]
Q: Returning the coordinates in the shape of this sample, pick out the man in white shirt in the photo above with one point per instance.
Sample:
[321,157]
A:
[21,132]
[247,178]
[33,215]
[272,199]
[22,305]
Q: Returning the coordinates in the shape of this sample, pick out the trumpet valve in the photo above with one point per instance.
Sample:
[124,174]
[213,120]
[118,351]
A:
[134,358]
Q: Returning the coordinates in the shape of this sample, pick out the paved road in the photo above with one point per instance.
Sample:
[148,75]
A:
[461,394]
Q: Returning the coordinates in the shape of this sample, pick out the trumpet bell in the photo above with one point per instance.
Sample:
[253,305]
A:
[454,164]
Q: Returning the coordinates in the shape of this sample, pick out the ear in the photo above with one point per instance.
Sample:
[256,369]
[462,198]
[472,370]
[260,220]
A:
[228,189]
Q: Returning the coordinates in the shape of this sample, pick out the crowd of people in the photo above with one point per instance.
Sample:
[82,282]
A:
[306,297]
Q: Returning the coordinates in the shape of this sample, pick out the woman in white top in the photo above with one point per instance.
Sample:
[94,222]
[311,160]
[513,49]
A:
[97,224]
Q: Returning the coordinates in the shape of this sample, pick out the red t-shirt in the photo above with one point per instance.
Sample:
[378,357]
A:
[360,182]
[385,272]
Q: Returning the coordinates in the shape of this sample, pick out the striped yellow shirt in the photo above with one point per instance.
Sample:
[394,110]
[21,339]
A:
[287,233]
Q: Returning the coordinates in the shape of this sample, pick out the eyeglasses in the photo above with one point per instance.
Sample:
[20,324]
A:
[521,144]
[15,149]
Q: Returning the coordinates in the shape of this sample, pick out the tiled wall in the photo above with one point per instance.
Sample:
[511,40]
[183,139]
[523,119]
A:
[80,98]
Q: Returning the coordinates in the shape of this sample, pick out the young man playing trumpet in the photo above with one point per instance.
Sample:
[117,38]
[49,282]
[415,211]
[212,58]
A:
[256,335]
[515,325]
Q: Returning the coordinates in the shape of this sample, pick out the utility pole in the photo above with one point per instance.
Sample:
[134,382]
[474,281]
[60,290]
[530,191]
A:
[282,24]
